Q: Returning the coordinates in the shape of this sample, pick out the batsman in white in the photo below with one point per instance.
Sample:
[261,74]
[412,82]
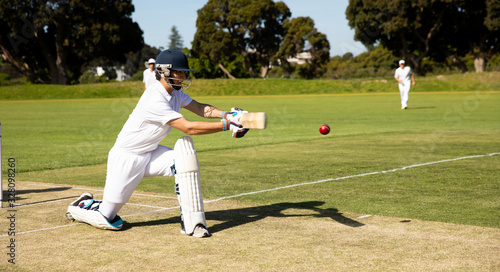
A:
[137,153]
[402,76]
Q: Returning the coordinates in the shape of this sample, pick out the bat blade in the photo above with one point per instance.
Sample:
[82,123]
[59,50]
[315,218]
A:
[254,120]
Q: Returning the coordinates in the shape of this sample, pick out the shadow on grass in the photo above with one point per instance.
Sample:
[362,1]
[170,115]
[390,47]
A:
[16,195]
[237,217]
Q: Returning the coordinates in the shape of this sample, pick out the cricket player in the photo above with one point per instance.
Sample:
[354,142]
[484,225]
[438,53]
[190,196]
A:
[148,76]
[402,76]
[137,153]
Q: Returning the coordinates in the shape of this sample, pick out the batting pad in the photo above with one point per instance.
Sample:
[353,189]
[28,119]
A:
[187,176]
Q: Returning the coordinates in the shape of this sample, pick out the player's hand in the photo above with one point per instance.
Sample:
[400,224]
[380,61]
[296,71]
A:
[237,130]
[237,110]
[235,115]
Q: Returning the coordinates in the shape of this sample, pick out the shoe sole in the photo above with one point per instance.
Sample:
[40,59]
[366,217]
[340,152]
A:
[197,235]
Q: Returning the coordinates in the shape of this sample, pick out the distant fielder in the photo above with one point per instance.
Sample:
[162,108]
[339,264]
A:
[402,76]
[148,76]
[137,153]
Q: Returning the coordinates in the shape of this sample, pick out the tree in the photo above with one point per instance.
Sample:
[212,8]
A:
[377,62]
[302,36]
[476,21]
[137,61]
[252,28]
[176,41]
[481,21]
[397,25]
[50,41]
[415,30]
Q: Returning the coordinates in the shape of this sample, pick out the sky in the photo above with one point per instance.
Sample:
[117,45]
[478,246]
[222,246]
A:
[156,18]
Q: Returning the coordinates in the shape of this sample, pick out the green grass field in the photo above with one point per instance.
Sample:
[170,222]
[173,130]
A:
[386,190]
[66,141]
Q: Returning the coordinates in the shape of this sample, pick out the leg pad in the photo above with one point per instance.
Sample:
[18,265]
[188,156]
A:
[187,178]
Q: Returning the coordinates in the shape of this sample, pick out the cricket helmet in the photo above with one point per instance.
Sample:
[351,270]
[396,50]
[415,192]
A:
[172,59]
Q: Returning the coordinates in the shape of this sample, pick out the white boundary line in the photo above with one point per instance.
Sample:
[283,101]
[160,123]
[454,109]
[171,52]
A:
[353,176]
[283,187]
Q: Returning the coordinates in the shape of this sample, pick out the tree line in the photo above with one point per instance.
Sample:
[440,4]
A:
[57,41]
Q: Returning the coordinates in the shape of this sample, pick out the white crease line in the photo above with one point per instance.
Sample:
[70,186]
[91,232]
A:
[168,197]
[293,185]
[64,199]
[143,205]
[150,212]
[98,190]
[45,202]
[352,176]
[51,228]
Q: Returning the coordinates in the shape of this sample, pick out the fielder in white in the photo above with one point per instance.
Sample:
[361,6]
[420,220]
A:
[137,153]
[148,76]
[402,76]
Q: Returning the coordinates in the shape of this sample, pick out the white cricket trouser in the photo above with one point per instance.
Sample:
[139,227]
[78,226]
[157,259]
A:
[125,171]
[404,90]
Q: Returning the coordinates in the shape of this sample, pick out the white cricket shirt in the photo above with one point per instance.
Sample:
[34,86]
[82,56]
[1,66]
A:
[403,74]
[148,77]
[146,125]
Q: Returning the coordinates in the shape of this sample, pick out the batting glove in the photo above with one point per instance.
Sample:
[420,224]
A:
[235,115]
[237,130]
[227,114]
[233,122]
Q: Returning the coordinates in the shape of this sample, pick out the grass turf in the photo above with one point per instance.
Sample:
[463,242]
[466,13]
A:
[488,81]
[66,141]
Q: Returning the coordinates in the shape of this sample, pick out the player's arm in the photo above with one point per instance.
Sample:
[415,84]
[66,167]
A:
[204,110]
[413,79]
[196,128]
[396,77]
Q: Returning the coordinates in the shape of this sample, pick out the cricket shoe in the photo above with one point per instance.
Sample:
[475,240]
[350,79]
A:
[85,209]
[200,231]
[77,202]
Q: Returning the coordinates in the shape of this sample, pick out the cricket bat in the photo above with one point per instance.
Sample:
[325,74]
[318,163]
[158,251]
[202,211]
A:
[254,120]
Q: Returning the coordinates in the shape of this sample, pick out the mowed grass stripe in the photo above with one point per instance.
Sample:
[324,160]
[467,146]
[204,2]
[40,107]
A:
[252,96]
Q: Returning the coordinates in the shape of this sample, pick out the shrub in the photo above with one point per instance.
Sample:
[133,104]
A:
[136,77]
[4,78]
[89,77]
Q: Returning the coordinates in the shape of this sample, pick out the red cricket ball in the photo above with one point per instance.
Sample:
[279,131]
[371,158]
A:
[324,129]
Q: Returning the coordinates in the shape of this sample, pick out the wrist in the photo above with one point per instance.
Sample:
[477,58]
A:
[225,124]
[224,114]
